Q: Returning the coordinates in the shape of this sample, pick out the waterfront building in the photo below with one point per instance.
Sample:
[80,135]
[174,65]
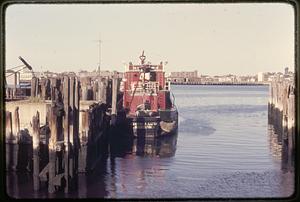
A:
[261,76]
[226,79]
[182,77]
[26,75]
[184,74]
[105,73]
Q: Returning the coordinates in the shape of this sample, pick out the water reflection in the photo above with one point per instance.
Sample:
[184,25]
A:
[127,170]
[283,153]
[280,148]
[134,163]
[275,143]
[162,147]
[122,144]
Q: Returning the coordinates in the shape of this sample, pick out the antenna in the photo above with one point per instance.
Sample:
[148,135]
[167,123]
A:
[99,43]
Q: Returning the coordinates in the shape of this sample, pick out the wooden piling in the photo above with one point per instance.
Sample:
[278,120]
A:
[85,88]
[15,85]
[8,136]
[16,137]
[97,139]
[43,88]
[12,130]
[36,149]
[48,89]
[55,85]
[89,92]
[66,121]
[282,117]
[84,131]
[37,88]
[52,87]
[52,150]
[102,91]
[33,87]
[291,122]
[76,141]
[114,100]
[45,85]
[72,123]
[7,95]
[16,123]
[95,90]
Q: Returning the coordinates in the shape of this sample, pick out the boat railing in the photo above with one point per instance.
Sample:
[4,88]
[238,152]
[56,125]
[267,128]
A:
[138,67]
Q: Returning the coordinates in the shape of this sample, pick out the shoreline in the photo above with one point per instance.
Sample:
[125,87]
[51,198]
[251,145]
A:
[221,84]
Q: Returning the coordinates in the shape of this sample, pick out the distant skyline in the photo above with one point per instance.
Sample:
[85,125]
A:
[214,39]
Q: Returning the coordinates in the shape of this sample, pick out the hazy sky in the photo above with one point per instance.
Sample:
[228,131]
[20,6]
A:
[214,39]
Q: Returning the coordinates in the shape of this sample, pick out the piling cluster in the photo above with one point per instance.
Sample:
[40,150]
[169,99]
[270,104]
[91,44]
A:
[282,114]
[71,140]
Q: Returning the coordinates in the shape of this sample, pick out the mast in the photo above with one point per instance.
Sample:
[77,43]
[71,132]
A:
[143,58]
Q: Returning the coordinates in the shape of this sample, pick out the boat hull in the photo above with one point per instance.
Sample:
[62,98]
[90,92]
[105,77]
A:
[166,123]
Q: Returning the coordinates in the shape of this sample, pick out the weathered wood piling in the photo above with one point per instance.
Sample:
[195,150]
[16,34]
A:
[103,89]
[12,139]
[36,149]
[69,140]
[66,125]
[115,87]
[45,89]
[16,136]
[8,137]
[35,90]
[282,116]
[83,135]
[97,136]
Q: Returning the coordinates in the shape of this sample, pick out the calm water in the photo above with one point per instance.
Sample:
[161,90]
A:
[224,148]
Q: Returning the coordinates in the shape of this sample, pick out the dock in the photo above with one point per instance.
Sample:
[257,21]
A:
[281,115]
[61,129]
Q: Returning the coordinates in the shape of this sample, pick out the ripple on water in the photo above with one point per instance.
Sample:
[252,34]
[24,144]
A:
[196,127]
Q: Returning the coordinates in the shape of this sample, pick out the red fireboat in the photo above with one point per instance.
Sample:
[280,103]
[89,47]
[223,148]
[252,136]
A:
[147,99]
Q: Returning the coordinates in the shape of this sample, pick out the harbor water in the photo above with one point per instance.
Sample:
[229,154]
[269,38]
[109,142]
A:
[224,148]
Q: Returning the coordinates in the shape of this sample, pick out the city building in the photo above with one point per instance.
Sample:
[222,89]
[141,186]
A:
[183,77]
[26,75]
[105,73]
[261,77]
[184,74]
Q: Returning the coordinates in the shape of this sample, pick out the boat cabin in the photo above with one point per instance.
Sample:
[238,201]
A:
[145,88]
